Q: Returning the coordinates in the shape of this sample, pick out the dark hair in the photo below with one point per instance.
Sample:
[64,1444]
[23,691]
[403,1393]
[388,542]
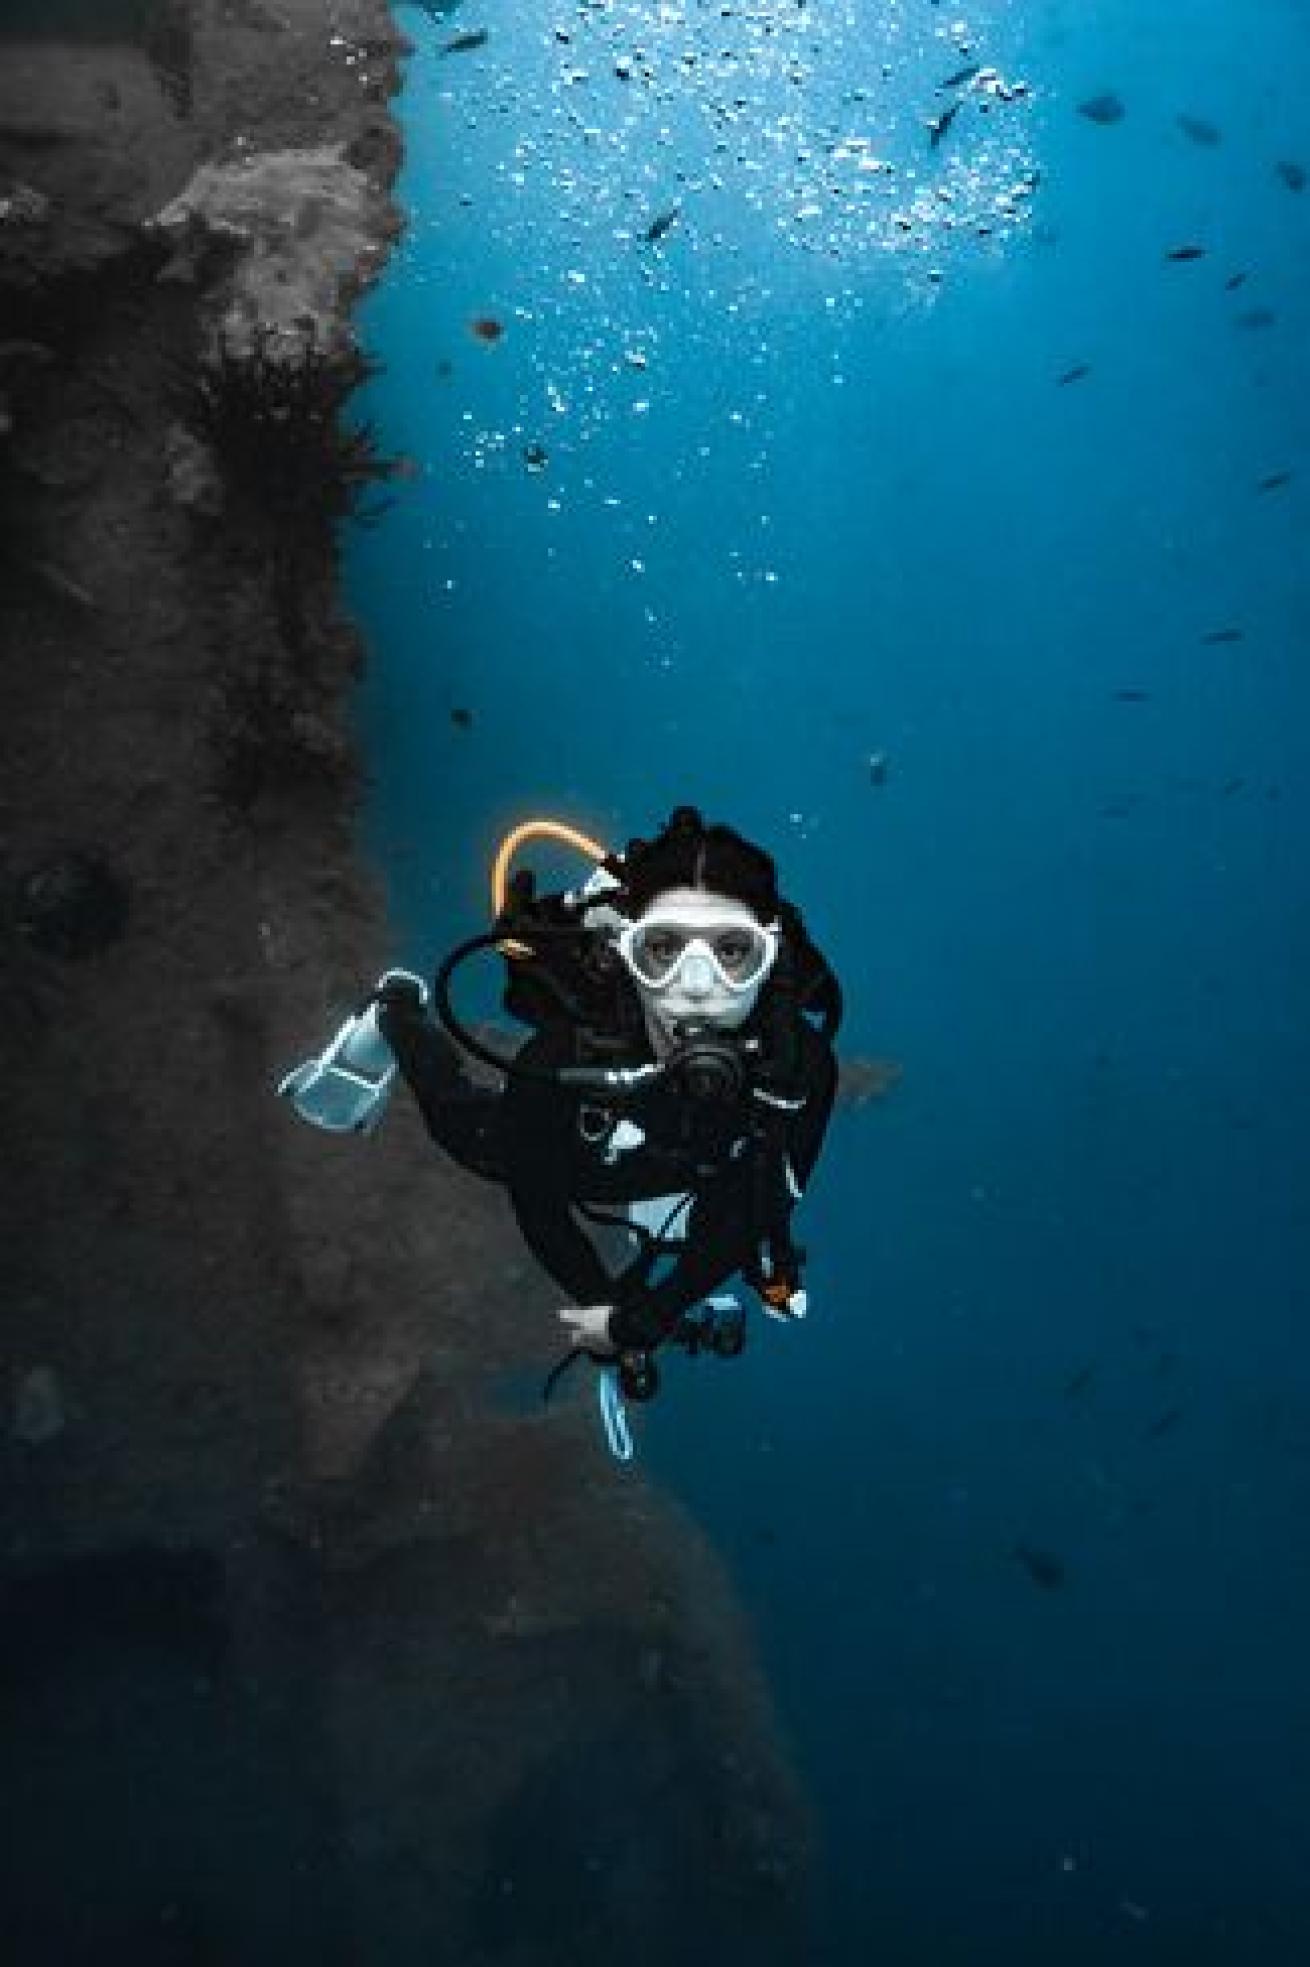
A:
[688,854]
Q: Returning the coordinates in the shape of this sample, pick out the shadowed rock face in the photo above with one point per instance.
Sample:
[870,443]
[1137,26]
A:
[71,906]
[302,231]
[85,20]
[142,1600]
[337,1628]
[639,1858]
[161,29]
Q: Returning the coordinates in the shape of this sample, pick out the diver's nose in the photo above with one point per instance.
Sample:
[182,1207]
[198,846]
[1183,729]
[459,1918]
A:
[697,977]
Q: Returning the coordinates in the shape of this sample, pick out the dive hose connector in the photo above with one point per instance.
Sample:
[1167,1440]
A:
[639,1376]
[784,1300]
[344,1089]
[717,1326]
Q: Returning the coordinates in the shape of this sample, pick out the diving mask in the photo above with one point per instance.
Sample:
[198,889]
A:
[660,951]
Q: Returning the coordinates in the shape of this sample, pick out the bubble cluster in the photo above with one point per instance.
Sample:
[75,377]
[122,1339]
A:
[669,187]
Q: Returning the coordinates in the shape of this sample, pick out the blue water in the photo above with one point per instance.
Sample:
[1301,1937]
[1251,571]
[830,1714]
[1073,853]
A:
[812,490]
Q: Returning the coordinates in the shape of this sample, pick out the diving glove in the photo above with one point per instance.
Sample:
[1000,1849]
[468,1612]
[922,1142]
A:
[345,1089]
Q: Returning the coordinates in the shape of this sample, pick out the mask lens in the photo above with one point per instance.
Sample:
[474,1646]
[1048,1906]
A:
[740,953]
[657,951]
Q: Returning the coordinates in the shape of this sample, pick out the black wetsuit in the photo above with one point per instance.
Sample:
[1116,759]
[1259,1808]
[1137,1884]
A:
[555,1149]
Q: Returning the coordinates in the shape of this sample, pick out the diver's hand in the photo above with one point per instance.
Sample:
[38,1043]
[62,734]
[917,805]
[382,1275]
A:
[589,1326]
[400,990]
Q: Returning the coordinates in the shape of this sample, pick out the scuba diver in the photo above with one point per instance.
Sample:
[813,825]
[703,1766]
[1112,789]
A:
[677,1086]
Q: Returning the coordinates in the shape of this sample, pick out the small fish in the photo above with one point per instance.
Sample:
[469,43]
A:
[1293,175]
[536,457]
[1233,282]
[1078,1383]
[662,223]
[486,328]
[1042,1566]
[1076,374]
[939,125]
[369,515]
[1198,130]
[860,1080]
[878,768]
[445,369]
[961,75]
[1132,694]
[1275,480]
[1180,253]
[1256,317]
[1164,1423]
[1216,637]
[464,44]
[462,719]
[1230,787]
[1102,109]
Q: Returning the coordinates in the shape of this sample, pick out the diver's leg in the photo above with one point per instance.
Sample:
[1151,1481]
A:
[465,1120]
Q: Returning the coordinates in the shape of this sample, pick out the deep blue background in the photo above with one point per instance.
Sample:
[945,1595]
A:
[870,518]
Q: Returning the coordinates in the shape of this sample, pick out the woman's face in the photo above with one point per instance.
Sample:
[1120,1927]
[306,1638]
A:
[676,927]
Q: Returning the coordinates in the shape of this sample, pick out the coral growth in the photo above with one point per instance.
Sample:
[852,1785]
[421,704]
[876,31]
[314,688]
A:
[273,415]
[272,737]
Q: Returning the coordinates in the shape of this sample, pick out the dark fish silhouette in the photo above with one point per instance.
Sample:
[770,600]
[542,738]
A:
[1198,129]
[1274,480]
[1218,636]
[965,74]
[1102,109]
[1076,374]
[1078,1383]
[1256,317]
[464,44]
[1179,253]
[462,719]
[860,1080]
[536,457]
[939,125]
[1164,1423]
[1293,175]
[662,223]
[1042,1566]
[1131,694]
[1233,282]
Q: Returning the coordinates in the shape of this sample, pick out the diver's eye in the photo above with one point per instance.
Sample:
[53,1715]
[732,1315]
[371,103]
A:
[663,947]
[735,951]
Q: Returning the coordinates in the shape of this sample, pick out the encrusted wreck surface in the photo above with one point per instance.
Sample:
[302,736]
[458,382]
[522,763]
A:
[313,1645]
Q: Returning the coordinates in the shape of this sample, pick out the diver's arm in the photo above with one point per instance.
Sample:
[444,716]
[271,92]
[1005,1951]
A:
[560,1247]
[464,1119]
[717,1236]
[540,1132]
[805,1135]
[719,1232]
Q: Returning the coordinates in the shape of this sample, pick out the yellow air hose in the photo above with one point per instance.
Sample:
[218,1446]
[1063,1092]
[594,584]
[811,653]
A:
[568,836]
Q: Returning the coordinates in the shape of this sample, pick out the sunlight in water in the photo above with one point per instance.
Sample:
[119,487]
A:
[742,161]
